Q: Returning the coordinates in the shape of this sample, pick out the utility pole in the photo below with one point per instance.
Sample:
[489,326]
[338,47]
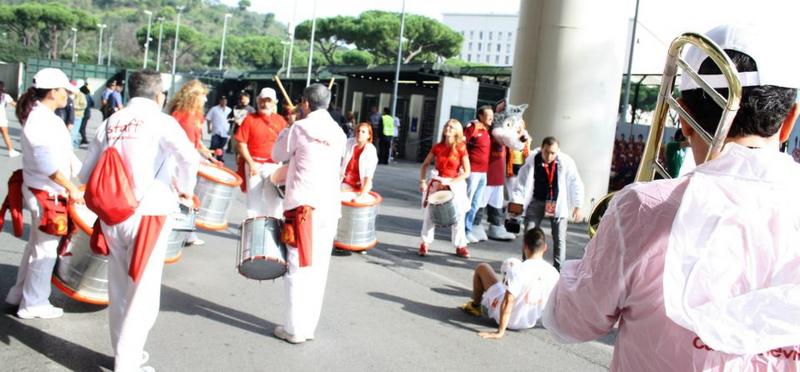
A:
[175,48]
[311,44]
[399,59]
[147,39]
[160,34]
[74,44]
[222,47]
[100,44]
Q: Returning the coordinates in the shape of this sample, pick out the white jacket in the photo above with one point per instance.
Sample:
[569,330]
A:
[148,138]
[570,186]
[367,162]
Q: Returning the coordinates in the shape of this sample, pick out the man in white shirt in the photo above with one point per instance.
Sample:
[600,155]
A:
[519,299]
[146,139]
[218,126]
[314,147]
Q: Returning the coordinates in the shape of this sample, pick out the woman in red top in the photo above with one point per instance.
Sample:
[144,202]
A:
[360,160]
[452,166]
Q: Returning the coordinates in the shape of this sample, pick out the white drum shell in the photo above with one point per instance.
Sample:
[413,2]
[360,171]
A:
[182,226]
[442,210]
[83,272]
[356,229]
[261,255]
[215,202]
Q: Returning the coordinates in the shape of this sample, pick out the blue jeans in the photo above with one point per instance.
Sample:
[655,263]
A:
[76,133]
[476,183]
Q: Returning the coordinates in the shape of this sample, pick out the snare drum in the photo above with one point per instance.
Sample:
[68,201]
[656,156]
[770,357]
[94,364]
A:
[261,254]
[278,180]
[182,227]
[356,229]
[81,274]
[442,208]
[216,188]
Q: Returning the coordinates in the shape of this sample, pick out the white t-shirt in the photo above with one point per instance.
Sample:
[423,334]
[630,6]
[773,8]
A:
[218,117]
[5,99]
[46,148]
[530,283]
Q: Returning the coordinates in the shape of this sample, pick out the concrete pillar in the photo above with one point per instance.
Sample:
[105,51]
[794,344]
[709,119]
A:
[568,68]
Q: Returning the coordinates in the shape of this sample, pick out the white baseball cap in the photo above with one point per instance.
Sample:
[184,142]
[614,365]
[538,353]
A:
[268,93]
[52,78]
[776,61]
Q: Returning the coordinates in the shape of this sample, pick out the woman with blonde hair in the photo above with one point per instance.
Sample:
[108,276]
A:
[452,169]
[187,108]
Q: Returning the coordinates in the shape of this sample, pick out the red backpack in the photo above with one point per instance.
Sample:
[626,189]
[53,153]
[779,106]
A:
[109,192]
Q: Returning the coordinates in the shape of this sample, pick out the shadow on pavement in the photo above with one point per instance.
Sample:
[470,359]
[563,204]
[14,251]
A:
[407,257]
[451,290]
[69,355]
[177,301]
[452,316]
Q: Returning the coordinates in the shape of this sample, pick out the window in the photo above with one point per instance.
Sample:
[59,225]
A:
[479,46]
[469,58]
[497,60]
[487,59]
[490,35]
[470,46]
[480,35]
[471,34]
[489,47]
[498,47]
[507,60]
[509,36]
[508,48]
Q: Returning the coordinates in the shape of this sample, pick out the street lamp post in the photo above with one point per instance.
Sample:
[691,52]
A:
[74,44]
[100,44]
[291,41]
[175,46]
[110,46]
[283,56]
[160,34]
[624,113]
[147,39]
[399,58]
[311,43]
[222,47]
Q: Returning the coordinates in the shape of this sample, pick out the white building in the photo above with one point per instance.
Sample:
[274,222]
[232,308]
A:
[488,38]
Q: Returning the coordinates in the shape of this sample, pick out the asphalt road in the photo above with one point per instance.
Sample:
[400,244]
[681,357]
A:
[388,310]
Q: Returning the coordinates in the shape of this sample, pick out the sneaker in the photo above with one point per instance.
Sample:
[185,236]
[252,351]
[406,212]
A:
[43,312]
[479,233]
[472,238]
[462,252]
[423,250]
[13,153]
[281,333]
[195,242]
[470,308]
[498,232]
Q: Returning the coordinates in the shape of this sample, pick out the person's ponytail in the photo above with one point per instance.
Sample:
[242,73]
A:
[26,102]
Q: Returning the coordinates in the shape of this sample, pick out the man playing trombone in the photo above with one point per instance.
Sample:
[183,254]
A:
[701,272]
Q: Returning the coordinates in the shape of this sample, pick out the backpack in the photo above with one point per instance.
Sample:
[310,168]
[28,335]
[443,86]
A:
[109,192]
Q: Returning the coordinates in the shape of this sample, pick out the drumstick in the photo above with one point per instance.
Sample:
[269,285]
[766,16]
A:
[330,85]
[283,91]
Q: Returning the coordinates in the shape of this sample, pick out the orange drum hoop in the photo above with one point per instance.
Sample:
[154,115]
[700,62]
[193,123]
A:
[236,179]
[377,199]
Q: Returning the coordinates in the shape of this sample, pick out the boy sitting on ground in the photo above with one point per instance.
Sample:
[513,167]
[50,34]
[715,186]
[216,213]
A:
[518,301]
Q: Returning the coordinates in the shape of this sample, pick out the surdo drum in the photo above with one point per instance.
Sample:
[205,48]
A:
[182,226]
[356,230]
[442,208]
[81,274]
[216,188]
[261,254]
[278,180]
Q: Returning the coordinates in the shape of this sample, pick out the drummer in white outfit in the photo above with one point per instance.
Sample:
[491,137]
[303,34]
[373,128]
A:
[147,138]
[358,172]
[48,165]
[452,166]
[314,148]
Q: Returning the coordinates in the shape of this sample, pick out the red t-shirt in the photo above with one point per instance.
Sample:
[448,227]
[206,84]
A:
[351,173]
[448,162]
[259,132]
[191,123]
[478,142]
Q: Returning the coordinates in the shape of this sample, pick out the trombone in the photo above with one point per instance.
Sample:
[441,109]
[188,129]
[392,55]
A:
[649,165]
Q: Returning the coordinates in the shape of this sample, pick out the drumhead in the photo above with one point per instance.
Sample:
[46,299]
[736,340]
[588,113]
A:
[83,217]
[278,177]
[440,197]
[217,174]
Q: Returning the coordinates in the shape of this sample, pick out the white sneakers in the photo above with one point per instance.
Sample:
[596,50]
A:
[479,233]
[13,153]
[497,232]
[471,237]
[281,333]
[44,312]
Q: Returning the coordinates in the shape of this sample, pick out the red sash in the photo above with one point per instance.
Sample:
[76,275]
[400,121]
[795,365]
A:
[146,238]
[297,232]
[13,203]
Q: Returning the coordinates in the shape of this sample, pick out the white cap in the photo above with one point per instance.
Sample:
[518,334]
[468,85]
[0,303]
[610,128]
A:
[775,59]
[52,78]
[268,93]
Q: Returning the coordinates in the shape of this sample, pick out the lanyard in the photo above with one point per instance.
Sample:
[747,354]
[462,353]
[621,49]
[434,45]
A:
[550,170]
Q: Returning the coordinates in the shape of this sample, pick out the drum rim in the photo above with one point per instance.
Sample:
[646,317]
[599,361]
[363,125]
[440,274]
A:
[236,182]
[378,200]
[69,292]
[356,248]
[262,258]
[442,202]
[89,230]
[275,172]
[175,258]
[260,218]
[209,226]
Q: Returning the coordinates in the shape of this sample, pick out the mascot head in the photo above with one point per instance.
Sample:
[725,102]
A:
[508,123]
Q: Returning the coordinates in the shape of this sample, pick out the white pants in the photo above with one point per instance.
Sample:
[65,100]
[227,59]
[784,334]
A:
[32,288]
[305,286]
[262,198]
[493,196]
[457,234]
[132,307]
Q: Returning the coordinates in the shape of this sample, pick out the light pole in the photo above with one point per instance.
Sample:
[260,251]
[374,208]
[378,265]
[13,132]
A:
[160,34]
[399,58]
[100,44]
[222,47]
[110,45]
[283,56]
[311,43]
[74,43]
[291,41]
[175,49]
[147,39]
[624,112]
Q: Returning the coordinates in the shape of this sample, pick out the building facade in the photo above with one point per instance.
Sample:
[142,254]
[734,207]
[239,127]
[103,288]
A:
[488,38]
